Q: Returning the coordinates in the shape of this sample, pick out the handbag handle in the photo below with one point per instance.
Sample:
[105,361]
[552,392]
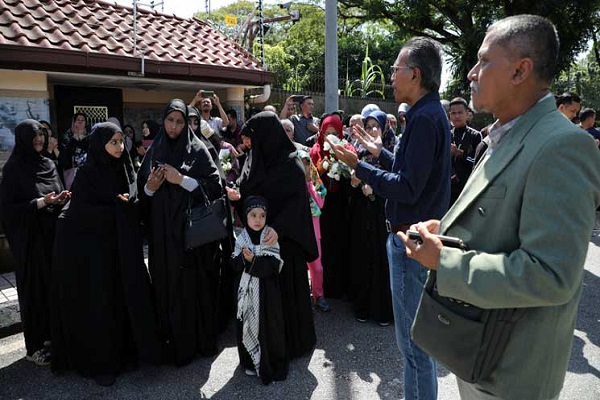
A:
[204,195]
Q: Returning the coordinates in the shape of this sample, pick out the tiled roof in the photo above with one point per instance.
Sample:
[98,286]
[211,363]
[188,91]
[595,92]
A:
[103,30]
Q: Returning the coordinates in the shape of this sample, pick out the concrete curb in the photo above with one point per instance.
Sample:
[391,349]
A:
[10,319]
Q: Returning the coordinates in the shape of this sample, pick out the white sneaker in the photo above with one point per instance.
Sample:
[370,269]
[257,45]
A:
[40,357]
[250,372]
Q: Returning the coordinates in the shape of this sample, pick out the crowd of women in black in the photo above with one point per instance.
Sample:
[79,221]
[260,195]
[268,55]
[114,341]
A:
[88,302]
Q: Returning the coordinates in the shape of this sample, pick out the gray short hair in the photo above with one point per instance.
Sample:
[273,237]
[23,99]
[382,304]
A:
[425,54]
[287,122]
[530,36]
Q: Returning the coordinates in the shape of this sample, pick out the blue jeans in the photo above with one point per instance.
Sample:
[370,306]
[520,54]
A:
[407,278]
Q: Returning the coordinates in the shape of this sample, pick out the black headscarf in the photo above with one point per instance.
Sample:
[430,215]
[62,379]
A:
[212,144]
[250,203]
[269,147]
[173,151]
[27,169]
[153,128]
[103,177]
[277,174]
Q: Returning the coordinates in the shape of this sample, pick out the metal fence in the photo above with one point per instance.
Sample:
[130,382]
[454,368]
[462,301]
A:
[315,83]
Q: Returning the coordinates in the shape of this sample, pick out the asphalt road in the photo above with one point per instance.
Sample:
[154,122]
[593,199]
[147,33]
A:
[351,361]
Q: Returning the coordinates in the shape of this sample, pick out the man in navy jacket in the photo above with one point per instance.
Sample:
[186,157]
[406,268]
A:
[415,182]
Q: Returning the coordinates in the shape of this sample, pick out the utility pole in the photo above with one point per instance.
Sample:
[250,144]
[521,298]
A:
[331,57]
[261,24]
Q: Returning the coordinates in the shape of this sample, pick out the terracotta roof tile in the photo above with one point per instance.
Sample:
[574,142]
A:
[107,28]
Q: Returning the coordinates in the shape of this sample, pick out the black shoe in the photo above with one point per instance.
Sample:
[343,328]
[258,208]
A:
[106,380]
[322,304]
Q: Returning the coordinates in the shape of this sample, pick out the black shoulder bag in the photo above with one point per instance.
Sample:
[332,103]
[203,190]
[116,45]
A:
[466,339]
[205,223]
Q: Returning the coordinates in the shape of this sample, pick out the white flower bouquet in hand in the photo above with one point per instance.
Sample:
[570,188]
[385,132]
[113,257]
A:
[336,168]
[225,159]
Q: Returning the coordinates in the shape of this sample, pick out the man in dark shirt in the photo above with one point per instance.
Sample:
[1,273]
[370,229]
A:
[305,125]
[232,133]
[415,182]
[462,149]
[587,119]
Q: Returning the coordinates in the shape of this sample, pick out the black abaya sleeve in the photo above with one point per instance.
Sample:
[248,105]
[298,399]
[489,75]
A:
[237,263]
[207,174]
[263,267]
[17,221]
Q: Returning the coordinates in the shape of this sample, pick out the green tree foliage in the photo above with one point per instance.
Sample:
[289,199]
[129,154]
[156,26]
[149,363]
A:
[460,25]
[582,78]
[295,51]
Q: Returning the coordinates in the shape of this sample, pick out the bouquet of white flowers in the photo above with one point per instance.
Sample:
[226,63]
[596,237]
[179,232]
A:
[336,168]
[225,158]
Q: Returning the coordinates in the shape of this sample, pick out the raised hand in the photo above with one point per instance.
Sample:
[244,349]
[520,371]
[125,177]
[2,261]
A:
[373,144]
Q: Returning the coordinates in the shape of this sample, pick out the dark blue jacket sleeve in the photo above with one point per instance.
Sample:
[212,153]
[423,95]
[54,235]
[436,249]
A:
[406,184]
[386,159]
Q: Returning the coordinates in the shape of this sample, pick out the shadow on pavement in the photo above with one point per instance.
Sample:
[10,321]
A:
[587,322]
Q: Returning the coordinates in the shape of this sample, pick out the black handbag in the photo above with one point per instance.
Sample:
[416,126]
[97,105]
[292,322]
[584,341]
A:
[466,339]
[205,223]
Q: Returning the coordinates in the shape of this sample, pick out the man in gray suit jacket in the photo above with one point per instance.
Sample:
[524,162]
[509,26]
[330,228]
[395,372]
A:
[526,213]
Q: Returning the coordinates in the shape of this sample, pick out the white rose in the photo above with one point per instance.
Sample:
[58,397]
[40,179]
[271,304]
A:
[333,139]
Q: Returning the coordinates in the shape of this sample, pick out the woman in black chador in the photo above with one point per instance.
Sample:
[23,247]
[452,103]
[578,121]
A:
[274,172]
[104,318]
[185,282]
[31,197]
[370,289]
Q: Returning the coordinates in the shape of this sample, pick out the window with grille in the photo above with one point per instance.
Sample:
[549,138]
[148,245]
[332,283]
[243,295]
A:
[94,114]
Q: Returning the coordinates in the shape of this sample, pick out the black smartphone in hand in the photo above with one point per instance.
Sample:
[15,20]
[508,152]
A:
[447,241]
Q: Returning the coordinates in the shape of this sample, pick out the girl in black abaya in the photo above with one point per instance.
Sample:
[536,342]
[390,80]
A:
[185,282]
[274,172]
[260,323]
[104,317]
[31,197]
